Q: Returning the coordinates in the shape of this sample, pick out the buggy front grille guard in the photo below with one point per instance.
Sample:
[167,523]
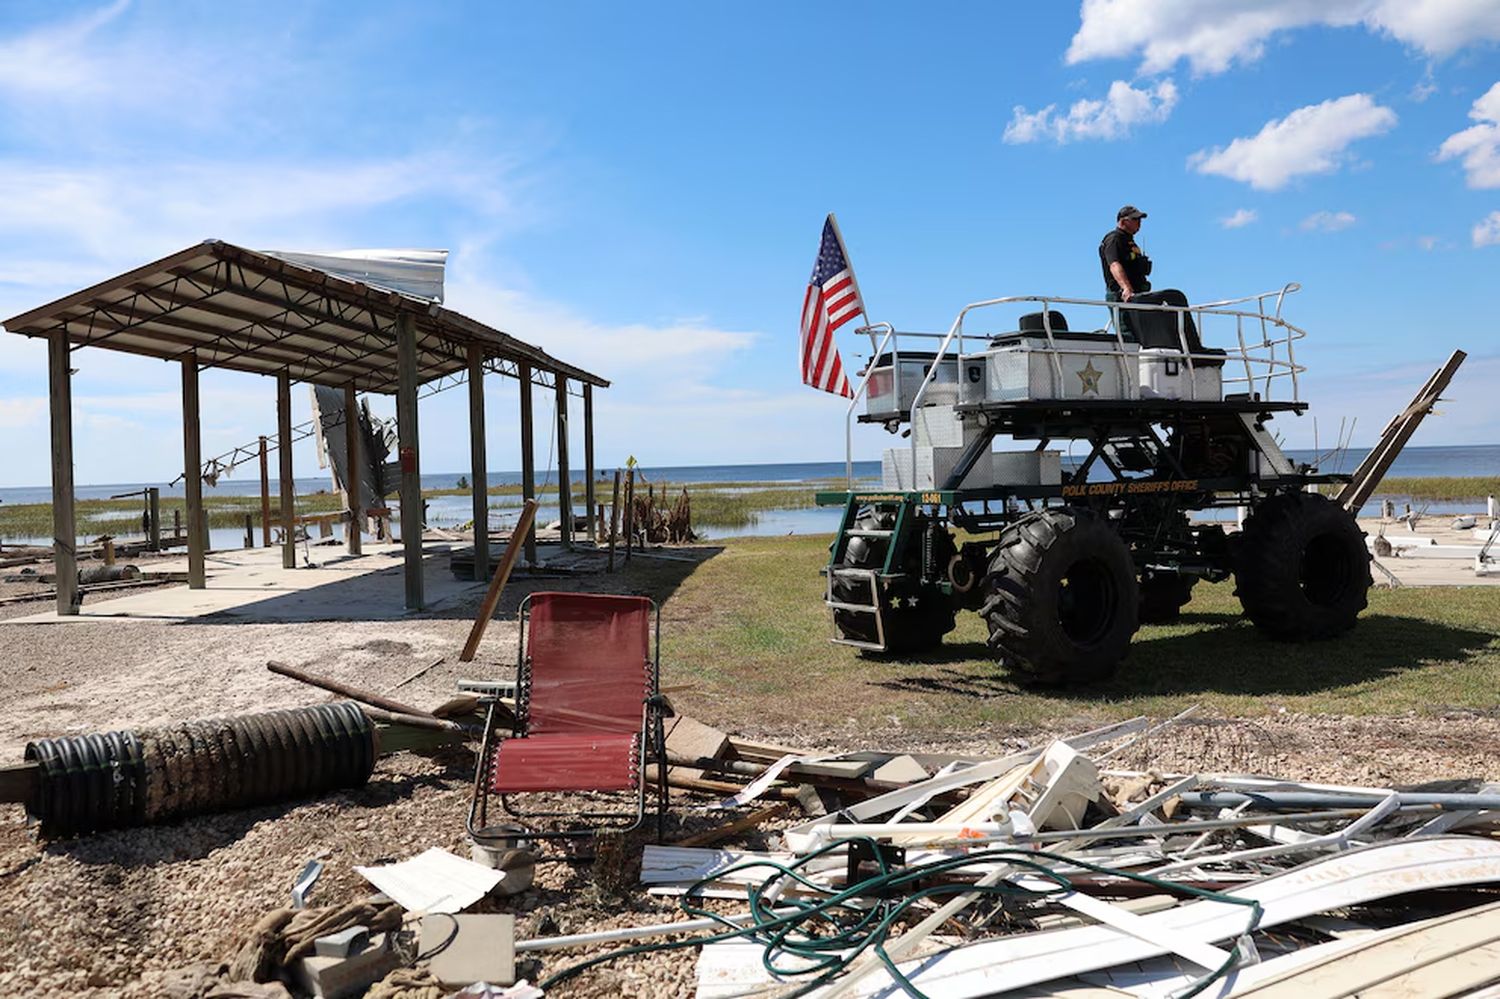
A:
[1268,361]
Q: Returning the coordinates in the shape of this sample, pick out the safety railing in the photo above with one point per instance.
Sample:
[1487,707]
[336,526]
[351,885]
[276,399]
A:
[1267,355]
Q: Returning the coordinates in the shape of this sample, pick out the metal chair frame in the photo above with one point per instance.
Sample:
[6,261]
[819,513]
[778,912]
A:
[652,748]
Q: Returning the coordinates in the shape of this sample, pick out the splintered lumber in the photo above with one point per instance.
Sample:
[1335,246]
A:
[497,584]
[734,828]
[347,690]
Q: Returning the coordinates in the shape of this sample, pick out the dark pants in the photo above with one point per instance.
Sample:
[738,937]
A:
[1158,329]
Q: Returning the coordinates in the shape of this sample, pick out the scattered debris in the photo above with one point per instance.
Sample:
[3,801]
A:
[434,881]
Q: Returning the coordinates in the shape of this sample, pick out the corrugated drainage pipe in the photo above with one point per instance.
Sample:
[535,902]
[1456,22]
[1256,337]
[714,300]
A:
[87,783]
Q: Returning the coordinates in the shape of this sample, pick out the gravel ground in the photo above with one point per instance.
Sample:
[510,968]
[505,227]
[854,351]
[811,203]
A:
[114,914]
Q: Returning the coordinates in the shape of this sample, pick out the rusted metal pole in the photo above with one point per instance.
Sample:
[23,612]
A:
[64,525]
[284,461]
[265,495]
[614,520]
[353,541]
[528,456]
[479,484]
[192,479]
[588,461]
[497,584]
[564,476]
[629,512]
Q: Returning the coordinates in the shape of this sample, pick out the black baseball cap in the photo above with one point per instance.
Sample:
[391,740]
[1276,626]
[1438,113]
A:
[1129,212]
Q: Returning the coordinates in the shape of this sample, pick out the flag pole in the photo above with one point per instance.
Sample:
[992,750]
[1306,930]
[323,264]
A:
[838,234]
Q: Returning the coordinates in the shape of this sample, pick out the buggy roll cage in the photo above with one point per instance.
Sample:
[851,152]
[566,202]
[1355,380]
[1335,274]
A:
[1262,367]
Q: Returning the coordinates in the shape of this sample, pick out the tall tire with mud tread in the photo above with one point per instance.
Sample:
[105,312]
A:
[908,629]
[1301,568]
[1063,596]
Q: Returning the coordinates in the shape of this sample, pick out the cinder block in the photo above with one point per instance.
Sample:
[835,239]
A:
[336,977]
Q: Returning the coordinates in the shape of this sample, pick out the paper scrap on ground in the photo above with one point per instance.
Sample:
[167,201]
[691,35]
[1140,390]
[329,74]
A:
[435,881]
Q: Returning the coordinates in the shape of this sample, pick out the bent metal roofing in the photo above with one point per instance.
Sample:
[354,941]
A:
[246,311]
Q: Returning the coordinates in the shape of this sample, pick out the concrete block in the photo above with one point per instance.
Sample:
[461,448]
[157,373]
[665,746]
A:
[463,949]
[337,977]
[343,943]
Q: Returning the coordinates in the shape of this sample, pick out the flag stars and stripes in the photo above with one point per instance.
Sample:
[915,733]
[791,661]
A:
[832,299]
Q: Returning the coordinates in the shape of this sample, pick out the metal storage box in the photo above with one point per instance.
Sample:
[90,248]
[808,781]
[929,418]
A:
[894,382]
[933,464]
[1165,375]
[1027,468]
[1087,366]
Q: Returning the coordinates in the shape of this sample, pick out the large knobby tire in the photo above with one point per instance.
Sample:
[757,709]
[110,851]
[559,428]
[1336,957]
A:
[908,629]
[1163,595]
[1063,596]
[1302,571]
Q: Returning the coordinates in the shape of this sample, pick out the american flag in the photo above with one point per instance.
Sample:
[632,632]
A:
[832,300]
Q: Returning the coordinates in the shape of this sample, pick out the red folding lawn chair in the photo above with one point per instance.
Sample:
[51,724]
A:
[588,712]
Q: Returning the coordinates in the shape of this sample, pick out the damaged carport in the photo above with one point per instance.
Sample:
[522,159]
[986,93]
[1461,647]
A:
[217,305]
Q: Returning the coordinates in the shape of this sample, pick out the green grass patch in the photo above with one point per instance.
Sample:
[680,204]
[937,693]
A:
[749,626]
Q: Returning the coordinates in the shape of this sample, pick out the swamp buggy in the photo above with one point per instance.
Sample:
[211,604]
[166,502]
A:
[1168,448]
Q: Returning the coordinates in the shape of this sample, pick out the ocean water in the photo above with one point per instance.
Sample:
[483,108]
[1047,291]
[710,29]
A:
[449,511]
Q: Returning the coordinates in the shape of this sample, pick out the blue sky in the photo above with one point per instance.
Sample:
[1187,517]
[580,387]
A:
[639,188]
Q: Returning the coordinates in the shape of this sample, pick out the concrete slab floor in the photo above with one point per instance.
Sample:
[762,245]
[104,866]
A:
[250,586]
[1418,571]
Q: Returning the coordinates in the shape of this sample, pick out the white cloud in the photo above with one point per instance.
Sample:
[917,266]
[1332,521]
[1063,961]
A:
[1428,243]
[1310,140]
[23,413]
[1241,217]
[1212,37]
[128,214]
[1487,231]
[57,60]
[1479,145]
[1326,221]
[1123,108]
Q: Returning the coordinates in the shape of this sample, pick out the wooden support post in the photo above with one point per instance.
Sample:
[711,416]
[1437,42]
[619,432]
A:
[249,530]
[177,523]
[614,521]
[64,527]
[411,465]
[284,463]
[629,512]
[588,460]
[265,495]
[528,453]
[192,478]
[564,480]
[353,462]
[153,524]
[479,478]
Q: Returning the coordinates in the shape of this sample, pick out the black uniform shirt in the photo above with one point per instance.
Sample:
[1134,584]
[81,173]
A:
[1119,245]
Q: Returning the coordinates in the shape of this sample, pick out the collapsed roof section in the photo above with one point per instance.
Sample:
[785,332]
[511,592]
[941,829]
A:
[248,311]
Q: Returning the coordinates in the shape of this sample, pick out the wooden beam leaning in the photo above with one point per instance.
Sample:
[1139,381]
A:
[411,466]
[284,462]
[528,452]
[497,584]
[64,525]
[564,480]
[354,541]
[588,460]
[479,479]
[192,477]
